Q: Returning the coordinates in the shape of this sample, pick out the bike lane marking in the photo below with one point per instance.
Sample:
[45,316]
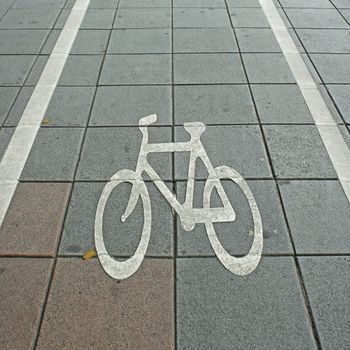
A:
[21,143]
[331,136]
[189,216]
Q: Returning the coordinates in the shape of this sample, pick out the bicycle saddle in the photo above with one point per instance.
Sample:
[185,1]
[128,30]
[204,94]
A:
[150,119]
[194,128]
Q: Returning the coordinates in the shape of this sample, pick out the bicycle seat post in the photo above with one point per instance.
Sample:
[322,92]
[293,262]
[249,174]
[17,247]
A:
[144,123]
[195,129]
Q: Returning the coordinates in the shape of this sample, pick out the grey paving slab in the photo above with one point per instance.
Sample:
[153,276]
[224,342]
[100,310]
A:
[134,314]
[200,3]
[38,4]
[200,18]
[96,4]
[281,104]
[246,153]
[208,68]
[54,155]
[22,41]
[316,18]
[327,283]
[121,239]
[35,73]
[326,40]
[332,68]
[297,151]
[312,70]
[248,17]
[98,19]
[91,42]
[318,216]
[5,137]
[140,41]
[40,18]
[346,14]
[2,11]
[264,310]
[267,68]
[143,18]
[33,223]
[81,70]
[340,94]
[126,105]
[19,106]
[204,40]
[257,40]
[144,3]
[136,69]
[242,3]
[70,106]
[307,4]
[108,150]
[62,18]
[341,4]
[14,69]
[6,4]
[284,16]
[88,41]
[237,237]
[332,106]
[51,41]
[93,19]
[22,294]
[103,4]
[7,97]
[344,129]
[214,104]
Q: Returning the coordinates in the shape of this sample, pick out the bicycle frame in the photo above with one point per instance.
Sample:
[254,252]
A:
[189,216]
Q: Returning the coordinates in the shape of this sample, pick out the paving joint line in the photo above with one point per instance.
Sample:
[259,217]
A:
[86,127]
[301,282]
[170,257]
[279,179]
[79,155]
[21,87]
[5,13]
[174,185]
[31,119]
[307,53]
[61,44]
[326,115]
[278,26]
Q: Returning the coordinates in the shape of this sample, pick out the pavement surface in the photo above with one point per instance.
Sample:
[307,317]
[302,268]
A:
[213,61]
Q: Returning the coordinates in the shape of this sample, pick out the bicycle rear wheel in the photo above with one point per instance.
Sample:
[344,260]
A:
[237,265]
[122,269]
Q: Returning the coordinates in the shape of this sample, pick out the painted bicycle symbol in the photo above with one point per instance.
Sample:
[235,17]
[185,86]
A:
[189,216]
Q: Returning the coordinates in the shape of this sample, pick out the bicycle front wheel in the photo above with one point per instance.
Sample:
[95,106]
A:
[122,269]
[237,265]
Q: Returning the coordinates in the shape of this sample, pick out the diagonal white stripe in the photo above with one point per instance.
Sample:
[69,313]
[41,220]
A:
[21,143]
[331,136]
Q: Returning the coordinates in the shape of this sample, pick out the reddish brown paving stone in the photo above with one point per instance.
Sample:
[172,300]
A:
[89,310]
[33,223]
[23,286]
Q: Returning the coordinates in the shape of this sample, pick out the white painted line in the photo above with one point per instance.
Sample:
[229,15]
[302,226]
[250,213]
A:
[331,136]
[21,143]
[189,215]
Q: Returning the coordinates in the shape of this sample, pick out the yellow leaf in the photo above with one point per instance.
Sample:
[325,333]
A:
[45,121]
[89,254]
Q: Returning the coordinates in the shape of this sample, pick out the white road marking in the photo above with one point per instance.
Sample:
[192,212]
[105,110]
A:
[331,136]
[21,143]
[189,216]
